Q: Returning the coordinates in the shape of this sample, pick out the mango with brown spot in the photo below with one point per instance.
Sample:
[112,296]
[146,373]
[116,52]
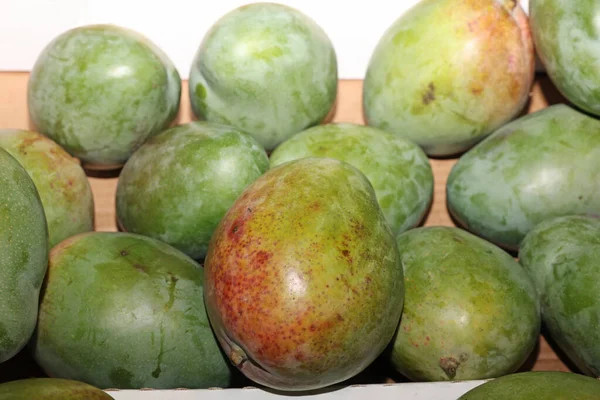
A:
[448,73]
[304,286]
[470,311]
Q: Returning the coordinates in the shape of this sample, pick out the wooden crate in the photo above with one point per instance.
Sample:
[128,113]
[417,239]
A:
[14,114]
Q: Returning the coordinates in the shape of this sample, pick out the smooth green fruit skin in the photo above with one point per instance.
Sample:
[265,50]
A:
[23,255]
[543,165]
[470,310]
[446,73]
[101,90]
[179,184]
[50,389]
[267,69]
[125,311]
[304,286]
[60,180]
[568,44]
[397,168]
[539,385]
[563,257]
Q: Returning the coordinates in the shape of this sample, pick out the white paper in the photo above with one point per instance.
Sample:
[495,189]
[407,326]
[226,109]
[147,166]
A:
[398,391]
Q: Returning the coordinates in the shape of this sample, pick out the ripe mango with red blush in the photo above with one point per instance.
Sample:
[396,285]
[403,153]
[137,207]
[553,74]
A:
[303,282]
[447,73]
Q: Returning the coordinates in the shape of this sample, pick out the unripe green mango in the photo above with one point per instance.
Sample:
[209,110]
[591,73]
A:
[448,73]
[568,44]
[397,168]
[50,389]
[538,385]
[563,257]
[539,166]
[178,185]
[100,91]
[126,311]
[23,255]
[304,286]
[470,310]
[267,69]
[60,180]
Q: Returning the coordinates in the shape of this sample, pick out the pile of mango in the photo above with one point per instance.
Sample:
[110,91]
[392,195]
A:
[263,244]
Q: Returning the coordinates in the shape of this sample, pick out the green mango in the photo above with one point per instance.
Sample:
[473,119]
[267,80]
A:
[563,256]
[448,73]
[60,180]
[125,311]
[267,69]
[470,310]
[180,183]
[23,255]
[397,168]
[542,165]
[100,91]
[50,389]
[304,286]
[567,42]
[538,385]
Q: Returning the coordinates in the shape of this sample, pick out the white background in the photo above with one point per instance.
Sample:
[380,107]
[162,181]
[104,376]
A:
[177,26]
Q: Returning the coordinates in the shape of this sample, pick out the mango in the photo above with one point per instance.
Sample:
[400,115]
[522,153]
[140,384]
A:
[448,73]
[60,180]
[562,255]
[470,310]
[50,389]
[100,91]
[397,168]
[304,286]
[180,183]
[267,69]
[23,255]
[125,311]
[539,166]
[539,385]
[566,38]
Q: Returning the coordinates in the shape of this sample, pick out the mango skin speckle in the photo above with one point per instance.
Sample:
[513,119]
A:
[542,165]
[470,310]
[125,311]
[562,255]
[397,168]
[100,91]
[304,287]
[23,255]
[566,38]
[266,69]
[448,73]
[59,179]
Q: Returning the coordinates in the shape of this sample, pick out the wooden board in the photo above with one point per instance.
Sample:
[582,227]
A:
[14,114]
